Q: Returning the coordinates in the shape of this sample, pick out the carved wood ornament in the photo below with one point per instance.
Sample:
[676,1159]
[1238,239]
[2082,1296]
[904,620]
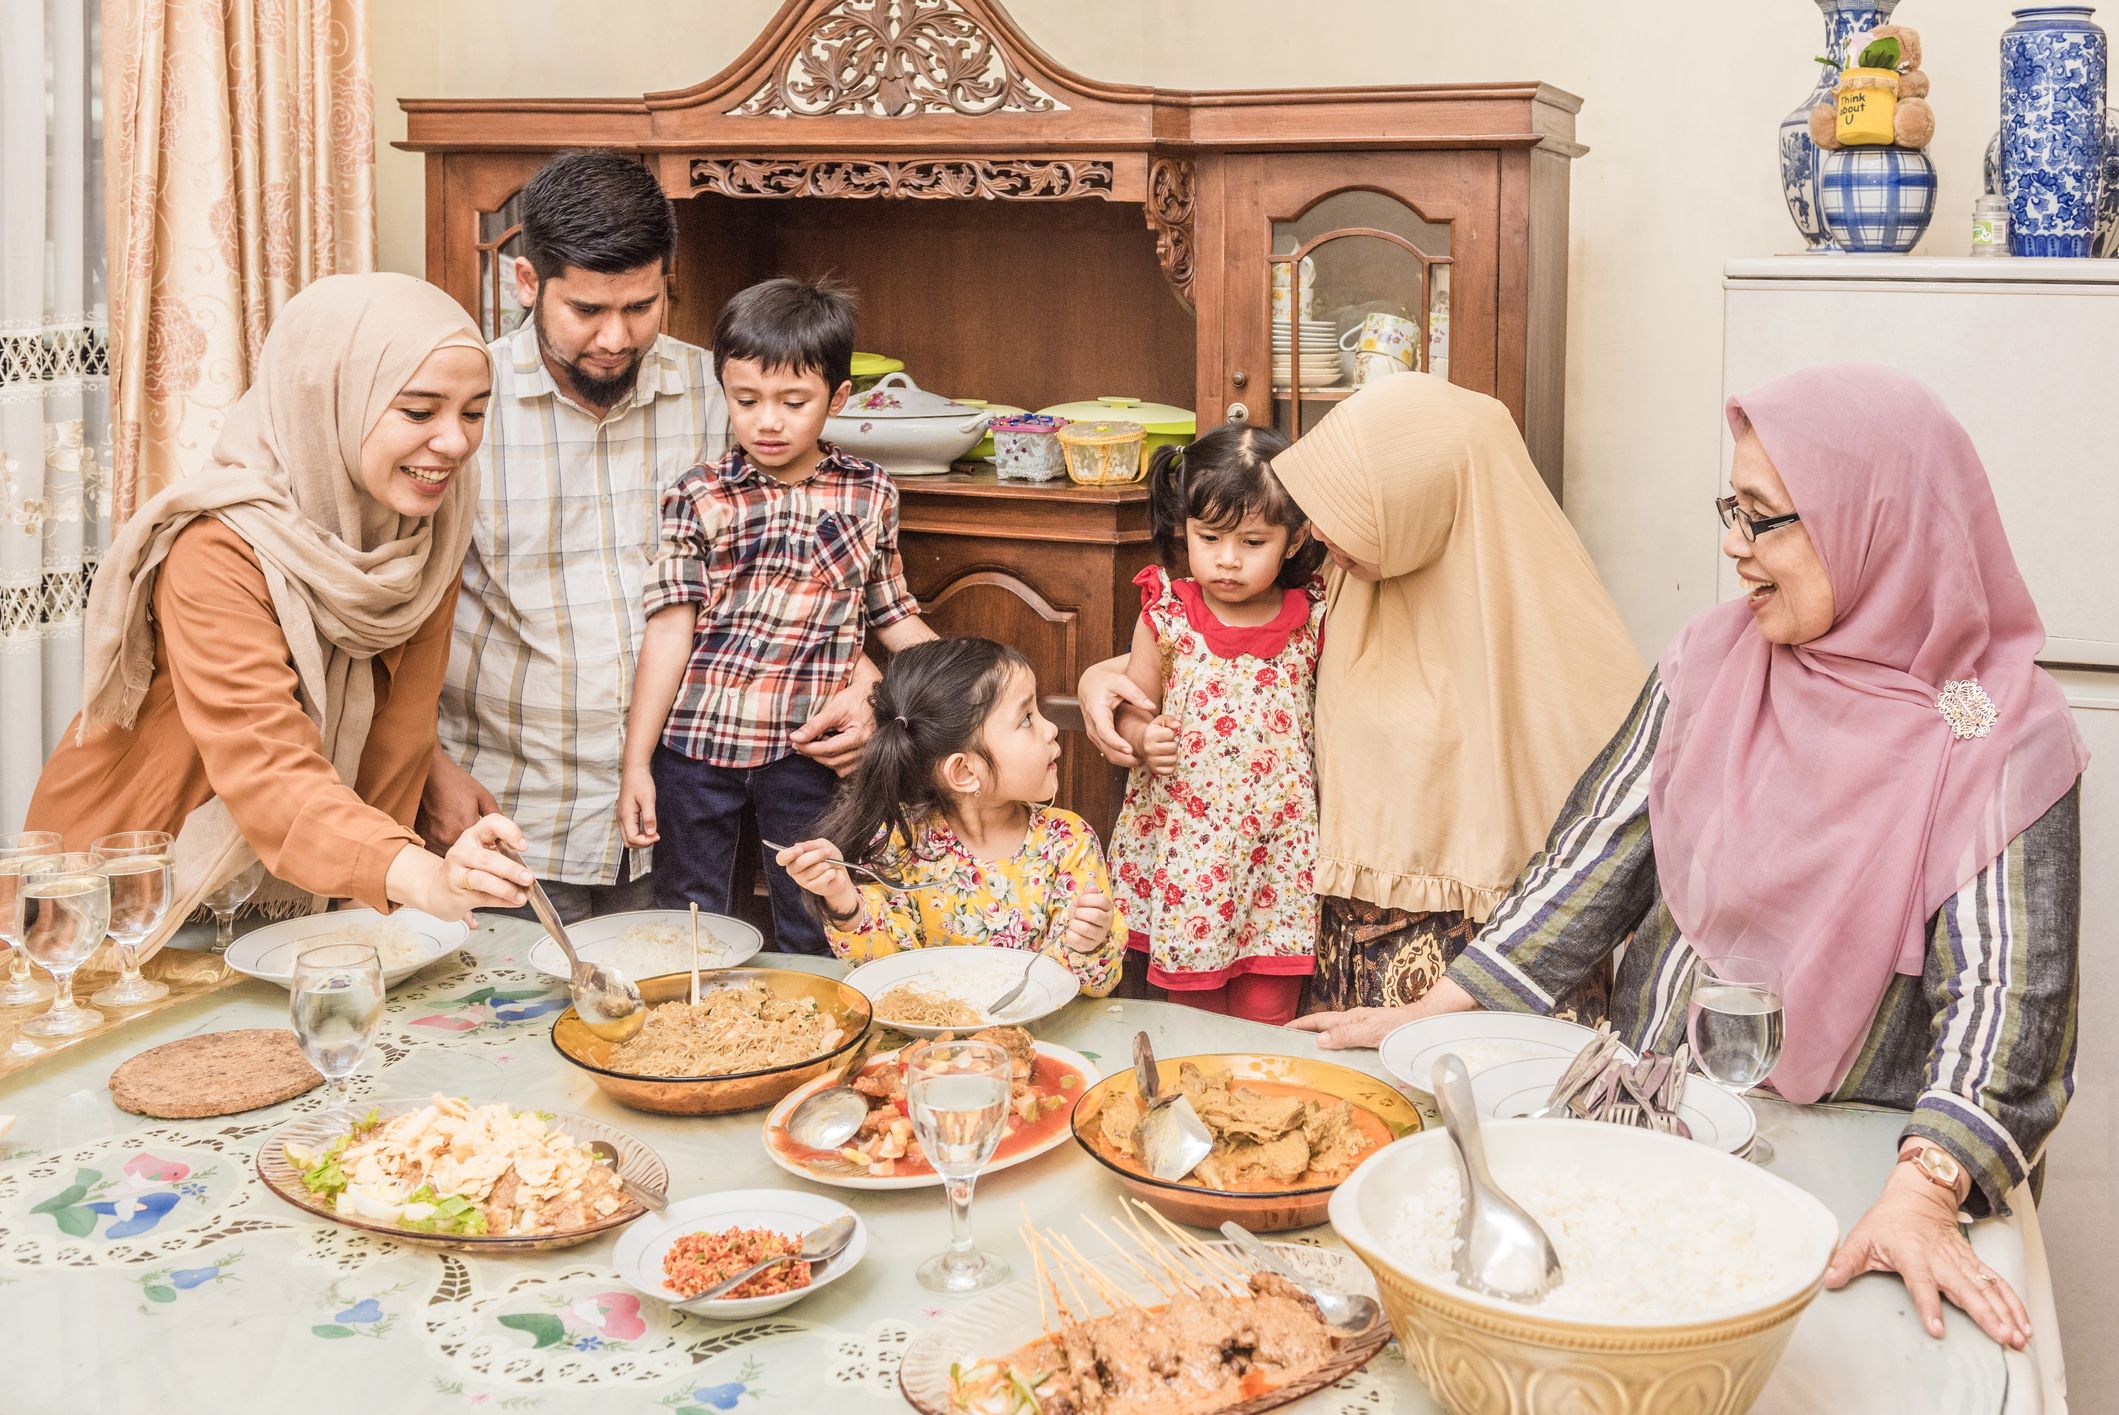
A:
[1169,215]
[942,178]
[894,59]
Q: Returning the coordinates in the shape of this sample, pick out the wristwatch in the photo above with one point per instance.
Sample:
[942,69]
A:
[1936,1165]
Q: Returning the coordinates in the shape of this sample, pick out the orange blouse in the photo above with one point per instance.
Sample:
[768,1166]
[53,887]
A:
[221,718]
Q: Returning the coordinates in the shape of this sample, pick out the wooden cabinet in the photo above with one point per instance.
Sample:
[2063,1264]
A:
[1028,236]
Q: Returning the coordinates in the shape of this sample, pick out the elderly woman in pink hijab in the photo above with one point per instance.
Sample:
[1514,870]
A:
[1859,776]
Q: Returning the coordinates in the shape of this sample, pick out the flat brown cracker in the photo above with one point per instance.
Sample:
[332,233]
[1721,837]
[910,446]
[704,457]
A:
[217,1073]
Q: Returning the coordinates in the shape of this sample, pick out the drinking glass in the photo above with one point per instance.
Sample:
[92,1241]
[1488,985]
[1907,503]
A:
[957,1095]
[337,1003]
[1734,1024]
[18,853]
[142,873]
[232,895]
[65,913]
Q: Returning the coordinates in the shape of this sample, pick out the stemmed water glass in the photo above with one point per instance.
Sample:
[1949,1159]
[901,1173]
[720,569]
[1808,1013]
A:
[142,874]
[232,894]
[337,1004]
[65,913]
[18,855]
[1734,1023]
[957,1095]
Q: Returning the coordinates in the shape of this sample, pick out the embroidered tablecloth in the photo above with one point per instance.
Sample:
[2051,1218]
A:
[143,1266]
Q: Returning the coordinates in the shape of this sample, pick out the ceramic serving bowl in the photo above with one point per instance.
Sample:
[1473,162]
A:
[1482,1354]
[1268,1211]
[905,429]
[716,1095]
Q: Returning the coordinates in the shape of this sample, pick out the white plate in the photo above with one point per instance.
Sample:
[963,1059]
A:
[723,943]
[995,1323]
[1062,1131]
[639,1250]
[1719,1119]
[977,975]
[1482,1039]
[268,953]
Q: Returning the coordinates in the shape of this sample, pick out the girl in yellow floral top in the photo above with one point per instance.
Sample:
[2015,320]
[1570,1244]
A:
[948,800]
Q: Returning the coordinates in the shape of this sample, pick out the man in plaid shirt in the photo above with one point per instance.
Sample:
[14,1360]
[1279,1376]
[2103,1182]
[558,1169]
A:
[776,562]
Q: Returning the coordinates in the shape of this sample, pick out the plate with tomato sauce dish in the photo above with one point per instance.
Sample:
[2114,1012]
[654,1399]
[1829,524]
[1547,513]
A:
[1048,1080]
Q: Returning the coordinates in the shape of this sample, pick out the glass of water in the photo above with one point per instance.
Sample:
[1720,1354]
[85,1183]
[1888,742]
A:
[142,872]
[19,854]
[65,913]
[1734,1025]
[232,894]
[957,1095]
[337,1004]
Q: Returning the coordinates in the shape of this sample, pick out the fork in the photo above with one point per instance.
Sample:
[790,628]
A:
[851,868]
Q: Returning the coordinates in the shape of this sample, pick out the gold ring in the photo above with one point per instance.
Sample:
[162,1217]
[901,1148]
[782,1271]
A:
[463,878]
[1984,1277]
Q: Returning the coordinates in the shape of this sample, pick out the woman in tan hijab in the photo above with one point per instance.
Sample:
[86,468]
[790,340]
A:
[267,638]
[1472,666]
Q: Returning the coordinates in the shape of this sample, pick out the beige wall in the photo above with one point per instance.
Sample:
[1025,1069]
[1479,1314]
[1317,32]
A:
[1674,183]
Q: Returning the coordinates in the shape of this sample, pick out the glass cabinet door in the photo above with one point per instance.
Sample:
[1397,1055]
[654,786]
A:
[499,242]
[1358,288]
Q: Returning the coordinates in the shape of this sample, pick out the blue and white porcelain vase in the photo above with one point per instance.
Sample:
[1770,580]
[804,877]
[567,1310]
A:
[2052,128]
[1799,156]
[1876,198]
[2105,244]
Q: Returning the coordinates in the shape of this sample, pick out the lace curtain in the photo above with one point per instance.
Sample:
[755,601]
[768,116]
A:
[55,452]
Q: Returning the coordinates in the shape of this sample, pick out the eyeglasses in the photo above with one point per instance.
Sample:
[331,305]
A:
[1753,527]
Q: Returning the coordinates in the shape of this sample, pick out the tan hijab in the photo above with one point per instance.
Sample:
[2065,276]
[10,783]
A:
[349,578]
[1459,697]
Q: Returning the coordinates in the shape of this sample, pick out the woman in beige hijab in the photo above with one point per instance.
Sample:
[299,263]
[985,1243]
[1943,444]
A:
[1472,666]
[267,638]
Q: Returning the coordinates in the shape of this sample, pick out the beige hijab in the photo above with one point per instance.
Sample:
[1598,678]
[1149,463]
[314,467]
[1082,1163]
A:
[1459,697]
[349,578]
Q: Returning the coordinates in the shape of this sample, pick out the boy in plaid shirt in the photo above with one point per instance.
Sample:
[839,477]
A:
[776,562]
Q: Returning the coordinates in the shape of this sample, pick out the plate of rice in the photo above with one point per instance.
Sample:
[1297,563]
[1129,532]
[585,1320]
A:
[650,942]
[677,1254]
[404,942]
[924,992]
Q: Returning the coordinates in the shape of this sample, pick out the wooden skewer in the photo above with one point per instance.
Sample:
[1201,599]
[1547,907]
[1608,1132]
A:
[1147,1273]
[1037,1268]
[1220,1269]
[1179,1274]
[695,953]
[1113,1294]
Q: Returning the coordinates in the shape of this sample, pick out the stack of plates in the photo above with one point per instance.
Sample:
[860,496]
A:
[1321,362]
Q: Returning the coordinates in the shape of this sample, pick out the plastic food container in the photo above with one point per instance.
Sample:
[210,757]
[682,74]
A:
[1162,422]
[1103,453]
[1027,447]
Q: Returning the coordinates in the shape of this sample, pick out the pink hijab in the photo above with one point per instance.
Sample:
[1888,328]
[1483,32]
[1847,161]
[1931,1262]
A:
[1813,806]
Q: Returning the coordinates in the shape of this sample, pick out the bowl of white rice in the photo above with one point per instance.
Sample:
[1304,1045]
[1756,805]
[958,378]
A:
[1684,1269]
[404,941]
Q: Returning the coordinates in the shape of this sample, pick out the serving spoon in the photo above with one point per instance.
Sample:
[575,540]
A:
[1171,1137]
[820,1243]
[651,1199]
[828,1118]
[1501,1250]
[604,998]
[1343,1310]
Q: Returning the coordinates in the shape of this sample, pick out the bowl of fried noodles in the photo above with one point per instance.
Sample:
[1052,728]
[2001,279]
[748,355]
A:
[754,1035]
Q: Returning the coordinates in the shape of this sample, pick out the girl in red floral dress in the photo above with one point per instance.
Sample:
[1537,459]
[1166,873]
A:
[1214,852]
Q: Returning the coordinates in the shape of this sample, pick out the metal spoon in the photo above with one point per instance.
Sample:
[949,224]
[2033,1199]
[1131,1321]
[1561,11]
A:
[650,1199]
[818,1244]
[604,999]
[1343,1310]
[1501,1251]
[1171,1137]
[850,867]
[828,1118]
[994,1008]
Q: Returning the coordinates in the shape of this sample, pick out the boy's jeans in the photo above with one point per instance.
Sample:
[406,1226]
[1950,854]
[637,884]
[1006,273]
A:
[698,809]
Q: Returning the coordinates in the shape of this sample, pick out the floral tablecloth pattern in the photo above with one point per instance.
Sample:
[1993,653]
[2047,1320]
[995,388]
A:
[144,1266]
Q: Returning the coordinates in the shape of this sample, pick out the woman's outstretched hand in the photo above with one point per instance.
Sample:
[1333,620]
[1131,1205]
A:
[1912,1230]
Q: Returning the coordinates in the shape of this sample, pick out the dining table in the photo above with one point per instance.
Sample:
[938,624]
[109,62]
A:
[145,1266]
